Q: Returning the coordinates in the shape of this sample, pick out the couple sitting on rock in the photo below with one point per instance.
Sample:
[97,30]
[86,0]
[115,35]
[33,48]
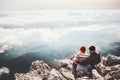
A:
[84,62]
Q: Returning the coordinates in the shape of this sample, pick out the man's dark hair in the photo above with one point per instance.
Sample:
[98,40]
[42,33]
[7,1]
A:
[92,48]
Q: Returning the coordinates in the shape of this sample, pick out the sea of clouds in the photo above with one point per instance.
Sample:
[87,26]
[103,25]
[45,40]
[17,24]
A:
[57,30]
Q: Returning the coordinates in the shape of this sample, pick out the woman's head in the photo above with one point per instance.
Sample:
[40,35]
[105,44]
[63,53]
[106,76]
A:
[82,49]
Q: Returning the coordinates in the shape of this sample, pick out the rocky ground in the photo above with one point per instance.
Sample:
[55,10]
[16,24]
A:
[107,69]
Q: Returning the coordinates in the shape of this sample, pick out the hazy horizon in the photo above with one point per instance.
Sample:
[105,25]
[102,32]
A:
[58,4]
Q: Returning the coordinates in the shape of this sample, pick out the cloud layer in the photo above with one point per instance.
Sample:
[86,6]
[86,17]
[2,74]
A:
[65,18]
[59,29]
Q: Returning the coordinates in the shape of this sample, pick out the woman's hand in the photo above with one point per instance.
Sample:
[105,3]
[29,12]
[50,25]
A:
[74,60]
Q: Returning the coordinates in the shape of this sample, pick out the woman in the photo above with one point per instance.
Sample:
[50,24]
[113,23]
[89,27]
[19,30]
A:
[80,58]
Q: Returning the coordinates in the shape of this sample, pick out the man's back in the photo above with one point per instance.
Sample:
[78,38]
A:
[94,59]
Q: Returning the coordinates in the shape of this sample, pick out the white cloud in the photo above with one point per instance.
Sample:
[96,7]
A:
[21,36]
[17,34]
[3,47]
[26,18]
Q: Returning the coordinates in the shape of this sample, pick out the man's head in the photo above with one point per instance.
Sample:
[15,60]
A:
[82,49]
[92,48]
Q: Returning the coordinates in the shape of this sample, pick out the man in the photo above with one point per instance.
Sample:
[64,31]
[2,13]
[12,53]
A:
[79,58]
[94,57]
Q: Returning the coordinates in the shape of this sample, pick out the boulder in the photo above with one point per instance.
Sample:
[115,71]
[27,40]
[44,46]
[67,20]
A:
[38,71]
[27,76]
[39,65]
[102,69]
[113,75]
[107,69]
[96,75]
[67,74]
[55,75]
[65,63]
[110,60]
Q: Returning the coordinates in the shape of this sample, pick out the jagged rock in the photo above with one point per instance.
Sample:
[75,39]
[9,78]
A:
[102,69]
[110,60]
[96,75]
[28,76]
[38,71]
[67,74]
[41,71]
[56,75]
[65,63]
[113,75]
[39,65]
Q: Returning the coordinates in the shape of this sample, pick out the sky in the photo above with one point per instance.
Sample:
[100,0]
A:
[58,4]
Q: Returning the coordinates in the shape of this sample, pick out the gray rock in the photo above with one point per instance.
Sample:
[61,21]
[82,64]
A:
[65,63]
[96,75]
[113,75]
[41,71]
[102,69]
[56,75]
[38,71]
[110,60]
[39,65]
[67,74]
